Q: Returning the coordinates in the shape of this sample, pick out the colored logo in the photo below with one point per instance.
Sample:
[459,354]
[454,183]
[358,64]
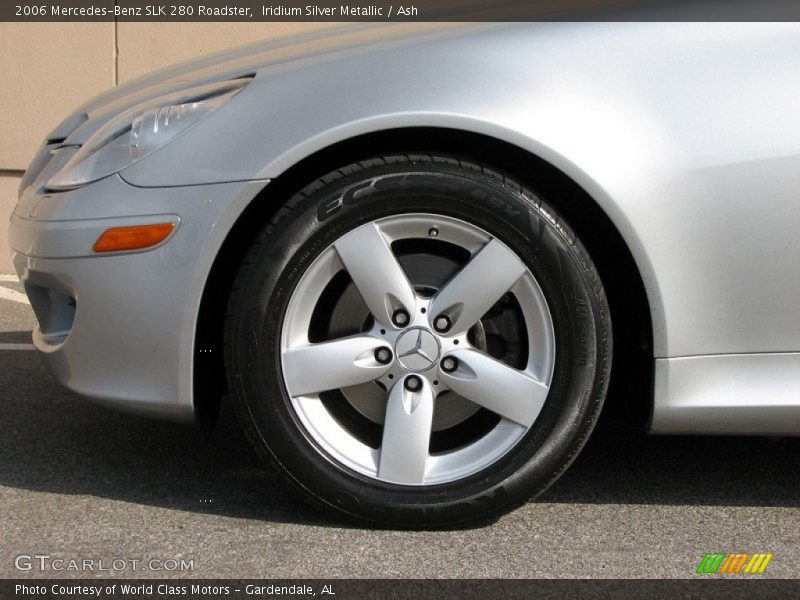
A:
[737,562]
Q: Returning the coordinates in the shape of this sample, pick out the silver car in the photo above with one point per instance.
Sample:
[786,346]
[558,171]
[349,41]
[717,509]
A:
[403,257]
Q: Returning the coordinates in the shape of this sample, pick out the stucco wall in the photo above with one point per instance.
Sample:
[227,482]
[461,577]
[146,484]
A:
[48,69]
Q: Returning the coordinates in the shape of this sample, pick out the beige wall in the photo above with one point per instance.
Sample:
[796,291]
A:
[48,69]
[8,197]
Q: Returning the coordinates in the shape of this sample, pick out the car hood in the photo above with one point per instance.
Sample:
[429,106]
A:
[254,59]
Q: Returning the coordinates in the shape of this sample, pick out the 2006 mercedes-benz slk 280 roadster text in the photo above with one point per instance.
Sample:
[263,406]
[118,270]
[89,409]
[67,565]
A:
[403,257]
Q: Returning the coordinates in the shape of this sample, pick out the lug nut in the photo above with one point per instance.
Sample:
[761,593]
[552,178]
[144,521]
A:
[400,317]
[383,356]
[449,364]
[413,383]
[441,323]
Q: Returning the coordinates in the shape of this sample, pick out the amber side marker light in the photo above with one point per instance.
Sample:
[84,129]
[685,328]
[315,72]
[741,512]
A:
[134,237]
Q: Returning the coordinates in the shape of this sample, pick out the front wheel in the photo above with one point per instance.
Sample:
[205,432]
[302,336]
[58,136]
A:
[418,341]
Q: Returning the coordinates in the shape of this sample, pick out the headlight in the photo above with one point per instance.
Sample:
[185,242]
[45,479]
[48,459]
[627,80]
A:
[141,130]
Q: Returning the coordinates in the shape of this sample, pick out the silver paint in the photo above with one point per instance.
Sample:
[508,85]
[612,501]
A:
[687,135]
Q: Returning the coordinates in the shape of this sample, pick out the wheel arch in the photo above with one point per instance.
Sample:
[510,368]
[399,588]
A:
[630,390]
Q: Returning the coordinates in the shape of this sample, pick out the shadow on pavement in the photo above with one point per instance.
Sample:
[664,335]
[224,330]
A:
[622,466]
[55,442]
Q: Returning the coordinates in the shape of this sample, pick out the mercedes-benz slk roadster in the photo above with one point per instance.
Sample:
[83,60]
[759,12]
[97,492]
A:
[414,262]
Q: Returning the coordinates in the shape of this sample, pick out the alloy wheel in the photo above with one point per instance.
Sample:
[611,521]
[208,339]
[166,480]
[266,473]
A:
[417,349]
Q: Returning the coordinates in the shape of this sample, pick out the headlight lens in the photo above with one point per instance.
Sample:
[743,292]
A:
[141,130]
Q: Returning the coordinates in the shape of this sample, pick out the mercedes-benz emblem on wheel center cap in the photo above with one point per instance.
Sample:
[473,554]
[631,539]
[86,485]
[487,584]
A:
[417,349]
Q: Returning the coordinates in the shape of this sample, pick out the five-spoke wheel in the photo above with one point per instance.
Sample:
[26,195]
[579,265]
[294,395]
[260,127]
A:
[422,338]
[417,341]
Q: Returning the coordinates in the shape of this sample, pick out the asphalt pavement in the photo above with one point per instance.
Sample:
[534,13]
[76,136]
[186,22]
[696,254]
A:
[80,482]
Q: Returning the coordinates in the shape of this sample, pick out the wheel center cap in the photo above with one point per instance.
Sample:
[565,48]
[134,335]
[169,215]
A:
[417,349]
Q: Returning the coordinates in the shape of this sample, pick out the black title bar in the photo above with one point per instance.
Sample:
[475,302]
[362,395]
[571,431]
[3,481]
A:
[391,589]
[394,10]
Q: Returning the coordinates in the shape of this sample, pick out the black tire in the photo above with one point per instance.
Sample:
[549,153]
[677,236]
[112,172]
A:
[308,223]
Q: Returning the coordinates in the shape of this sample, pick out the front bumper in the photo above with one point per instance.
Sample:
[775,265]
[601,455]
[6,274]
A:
[119,328]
